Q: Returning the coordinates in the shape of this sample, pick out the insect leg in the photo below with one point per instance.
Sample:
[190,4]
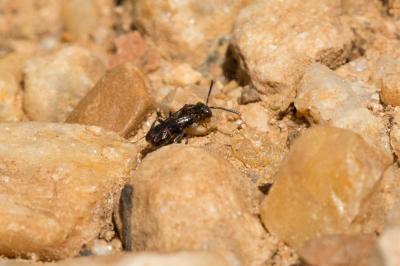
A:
[179,137]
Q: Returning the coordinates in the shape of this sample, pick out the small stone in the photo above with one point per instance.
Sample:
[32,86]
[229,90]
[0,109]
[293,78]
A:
[57,187]
[118,102]
[385,76]
[325,98]
[187,31]
[277,40]
[132,47]
[335,250]
[187,199]
[321,186]
[249,95]
[54,84]
[181,75]
[255,116]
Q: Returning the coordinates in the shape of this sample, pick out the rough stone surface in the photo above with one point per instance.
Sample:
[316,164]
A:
[55,83]
[57,186]
[350,250]
[325,179]
[118,102]
[188,30]
[181,75]
[182,258]
[277,40]
[10,89]
[327,99]
[185,198]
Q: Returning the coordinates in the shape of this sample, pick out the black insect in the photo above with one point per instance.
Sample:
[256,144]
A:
[172,129]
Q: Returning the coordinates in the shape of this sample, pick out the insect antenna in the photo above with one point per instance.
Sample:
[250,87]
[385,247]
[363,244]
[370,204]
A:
[224,109]
[209,91]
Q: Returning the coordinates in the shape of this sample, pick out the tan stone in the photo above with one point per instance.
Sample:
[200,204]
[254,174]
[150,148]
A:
[277,40]
[185,198]
[321,186]
[325,98]
[335,250]
[118,102]
[55,83]
[187,31]
[58,183]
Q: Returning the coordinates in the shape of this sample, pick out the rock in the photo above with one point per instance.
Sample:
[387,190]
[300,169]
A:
[187,31]
[118,102]
[54,84]
[385,77]
[186,199]
[249,95]
[335,250]
[181,258]
[181,75]
[10,89]
[277,40]
[327,99]
[321,186]
[58,183]
[132,47]
[255,116]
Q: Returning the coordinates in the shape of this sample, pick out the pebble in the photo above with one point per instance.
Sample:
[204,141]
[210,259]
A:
[321,187]
[277,40]
[385,76]
[54,84]
[325,98]
[187,31]
[118,102]
[57,187]
[187,199]
[181,75]
[255,116]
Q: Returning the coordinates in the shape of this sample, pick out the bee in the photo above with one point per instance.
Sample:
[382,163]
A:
[172,129]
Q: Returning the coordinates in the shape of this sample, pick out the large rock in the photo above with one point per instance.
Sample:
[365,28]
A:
[58,183]
[327,177]
[277,40]
[186,199]
[188,30]
[325,98]
[54,84]
[118,102]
